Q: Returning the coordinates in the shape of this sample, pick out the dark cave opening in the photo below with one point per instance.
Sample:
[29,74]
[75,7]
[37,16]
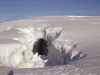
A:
[40,46]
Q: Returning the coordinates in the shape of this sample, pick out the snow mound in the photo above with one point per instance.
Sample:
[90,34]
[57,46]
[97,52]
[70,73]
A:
[18,51]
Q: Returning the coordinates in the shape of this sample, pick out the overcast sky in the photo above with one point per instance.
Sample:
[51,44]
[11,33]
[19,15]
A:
[19,9]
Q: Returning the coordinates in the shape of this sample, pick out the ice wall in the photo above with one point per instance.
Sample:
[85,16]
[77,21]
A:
[16,51]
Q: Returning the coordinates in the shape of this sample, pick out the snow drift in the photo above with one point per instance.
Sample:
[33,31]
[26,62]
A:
[18,51]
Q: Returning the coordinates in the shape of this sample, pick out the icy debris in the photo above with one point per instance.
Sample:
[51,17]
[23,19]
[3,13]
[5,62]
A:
[30,35]
[28,55]
[35,62]
[75,55]
[38,62]
[61,52]
[66,44]
[52,34]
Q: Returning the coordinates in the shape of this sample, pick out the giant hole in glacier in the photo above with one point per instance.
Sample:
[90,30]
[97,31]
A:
[37,46]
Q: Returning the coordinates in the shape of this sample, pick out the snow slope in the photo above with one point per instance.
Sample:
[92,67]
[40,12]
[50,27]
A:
[84,31]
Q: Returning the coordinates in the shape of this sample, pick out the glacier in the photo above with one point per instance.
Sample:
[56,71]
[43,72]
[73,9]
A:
[17,51]
[78,36]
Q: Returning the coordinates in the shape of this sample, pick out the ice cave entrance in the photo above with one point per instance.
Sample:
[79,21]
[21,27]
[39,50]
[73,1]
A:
[37,46]
[40,47]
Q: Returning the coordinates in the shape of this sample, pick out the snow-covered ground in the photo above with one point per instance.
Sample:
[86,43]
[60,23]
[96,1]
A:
[69,38]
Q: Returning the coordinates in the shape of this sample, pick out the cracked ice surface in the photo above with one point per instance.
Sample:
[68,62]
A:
[16,51]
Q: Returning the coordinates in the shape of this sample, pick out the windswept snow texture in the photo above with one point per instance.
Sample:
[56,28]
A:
[69,39]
